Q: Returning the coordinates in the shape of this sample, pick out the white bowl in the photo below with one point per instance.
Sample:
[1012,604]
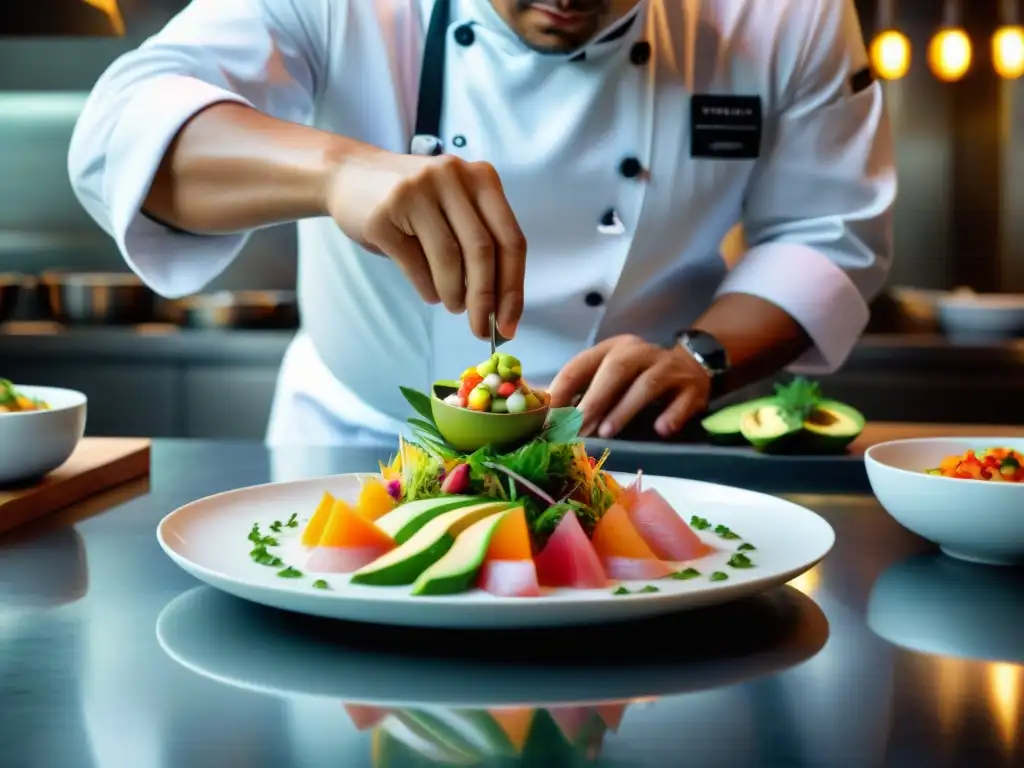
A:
[34,443]
[969,519]
[981,316]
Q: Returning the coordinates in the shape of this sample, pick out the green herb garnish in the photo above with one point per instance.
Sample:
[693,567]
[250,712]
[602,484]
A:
[260,540]
[648,590]
[621,591]
[261,556]
[699,523]
[320,584]
[739,560]
[746,548]
[719,576]
[290,573]
[293,521]
[689,573]
[276,526]
[798,399]
[725,533]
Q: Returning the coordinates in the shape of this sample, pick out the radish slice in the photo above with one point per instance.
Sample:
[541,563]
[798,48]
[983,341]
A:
[634,568]
[342,559]
[509,578]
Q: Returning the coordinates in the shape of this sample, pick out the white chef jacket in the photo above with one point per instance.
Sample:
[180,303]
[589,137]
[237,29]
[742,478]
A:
[608,253]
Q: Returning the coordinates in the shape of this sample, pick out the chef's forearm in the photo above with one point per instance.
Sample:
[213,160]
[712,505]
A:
[761,339]
[233,168]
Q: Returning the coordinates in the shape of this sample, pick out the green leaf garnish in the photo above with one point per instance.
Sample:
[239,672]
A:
[276,526]
[725,533]
[290,573]
[260,540]
[420,403]
[293,521]
[739,560]
[798,399]
[261,556]
[563,425]
[746,548]
[689,573]
[621,591]
[320,584]
[648,590]
[719,576]
[699,523]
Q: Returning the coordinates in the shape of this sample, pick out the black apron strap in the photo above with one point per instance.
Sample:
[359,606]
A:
[426,139]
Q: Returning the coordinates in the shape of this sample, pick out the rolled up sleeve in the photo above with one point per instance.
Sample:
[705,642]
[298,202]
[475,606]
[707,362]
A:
[252,52]
[818,212]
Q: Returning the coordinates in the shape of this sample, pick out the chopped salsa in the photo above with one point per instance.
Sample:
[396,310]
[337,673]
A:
[13,401]
[999,465]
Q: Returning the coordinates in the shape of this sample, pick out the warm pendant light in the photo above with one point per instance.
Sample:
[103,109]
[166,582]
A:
[950,52]
[890,49]
[1008,43]
[61,18]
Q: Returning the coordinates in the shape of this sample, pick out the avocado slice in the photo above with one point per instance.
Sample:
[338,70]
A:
[832,426]
[404,564]
[723,427]
[456,571]
[769,428]
[406,519]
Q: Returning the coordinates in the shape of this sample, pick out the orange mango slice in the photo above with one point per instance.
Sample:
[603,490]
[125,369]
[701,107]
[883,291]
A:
[347,528]
[374,500]
[511,539]
[315,527]
[615,536]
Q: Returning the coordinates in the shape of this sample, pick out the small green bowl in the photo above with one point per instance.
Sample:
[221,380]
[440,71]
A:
[468,431]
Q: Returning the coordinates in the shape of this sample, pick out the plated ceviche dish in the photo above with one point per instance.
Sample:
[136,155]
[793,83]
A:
[514,518]
[13,401]
[994,465]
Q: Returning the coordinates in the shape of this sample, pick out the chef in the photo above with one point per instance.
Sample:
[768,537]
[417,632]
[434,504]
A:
[570,165]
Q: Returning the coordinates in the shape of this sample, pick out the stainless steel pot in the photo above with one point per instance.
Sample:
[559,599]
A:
[98,298]
[10,290]
[268,310]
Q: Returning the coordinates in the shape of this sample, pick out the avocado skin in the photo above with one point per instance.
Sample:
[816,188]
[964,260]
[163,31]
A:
[837,442]
[721,431]
[723,427]
[408,570]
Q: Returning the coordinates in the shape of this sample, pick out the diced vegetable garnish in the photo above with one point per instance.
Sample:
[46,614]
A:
[997,465]
[13,401]
[495,386]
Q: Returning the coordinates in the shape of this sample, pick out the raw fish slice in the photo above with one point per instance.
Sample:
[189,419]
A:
[511,541]
[374,500]
[612,714]
[343,559]
[364,717]
[665,532]
[515,723]
[509,578]
[632,491]
[634,568]
[571,720]
[347,528]
[569,560]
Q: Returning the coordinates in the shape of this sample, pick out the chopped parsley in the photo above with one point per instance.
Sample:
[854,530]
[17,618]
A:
[293,521]
[725,533]
[621,591]
[290,573]
[260,540]
[648,590]
[261,556]
[739,560]
[699,523]
[689,573]
[321,584]
[276,526]
[746,548]
[719,576]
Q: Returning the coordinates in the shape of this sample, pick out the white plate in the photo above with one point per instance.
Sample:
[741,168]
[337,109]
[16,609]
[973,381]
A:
[212,635]
[208,539]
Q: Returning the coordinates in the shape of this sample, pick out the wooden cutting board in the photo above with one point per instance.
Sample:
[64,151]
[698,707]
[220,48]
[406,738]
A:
[98,464]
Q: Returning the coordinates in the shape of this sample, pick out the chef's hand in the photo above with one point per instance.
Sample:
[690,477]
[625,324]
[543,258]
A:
[445,222]
[623,375]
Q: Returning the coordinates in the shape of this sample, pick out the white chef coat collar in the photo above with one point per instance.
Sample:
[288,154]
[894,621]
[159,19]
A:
[622,33]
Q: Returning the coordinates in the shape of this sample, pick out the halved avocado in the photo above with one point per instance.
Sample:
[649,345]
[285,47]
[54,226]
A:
[402,522]
[456,571]
[404,564]
[769,429]
[723,427]
[832,426]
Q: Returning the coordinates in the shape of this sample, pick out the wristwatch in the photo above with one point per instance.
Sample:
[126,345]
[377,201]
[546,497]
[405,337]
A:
[709,354]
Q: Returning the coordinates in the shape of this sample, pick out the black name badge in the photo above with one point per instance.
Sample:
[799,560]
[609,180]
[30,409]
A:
[725,127]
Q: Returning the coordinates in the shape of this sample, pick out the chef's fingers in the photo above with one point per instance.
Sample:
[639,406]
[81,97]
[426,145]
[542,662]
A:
[678,412]
[616,374]
[510,257]
[576,374]
[647,388]
[442,251]
[477,255]
[406,252]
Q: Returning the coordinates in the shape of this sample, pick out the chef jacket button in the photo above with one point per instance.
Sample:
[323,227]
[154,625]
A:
[465,35]
[594,299]
[640,53]
[459,141]
[630,168]
[608,218]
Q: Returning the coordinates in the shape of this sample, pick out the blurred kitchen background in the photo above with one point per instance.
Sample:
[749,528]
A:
[944,343]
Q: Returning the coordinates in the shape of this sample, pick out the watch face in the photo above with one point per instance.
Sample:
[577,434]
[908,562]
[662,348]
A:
[706,346]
